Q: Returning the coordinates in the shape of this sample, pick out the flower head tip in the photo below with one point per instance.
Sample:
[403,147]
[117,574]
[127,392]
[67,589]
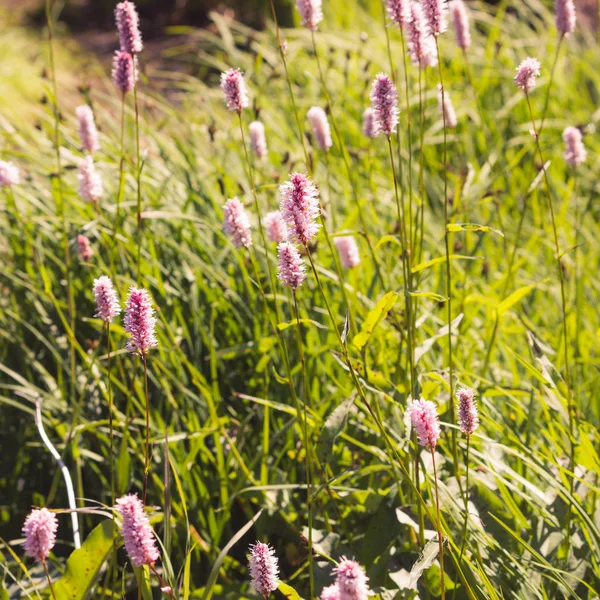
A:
[39,530]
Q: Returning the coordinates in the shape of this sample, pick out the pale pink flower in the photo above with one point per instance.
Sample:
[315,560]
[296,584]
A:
[435,13]
[128,24]
[275,227]
[88,134]
[125,71]
[565,17]
[311,12]
[140,322]
[40,529]
[351,580]
[237,223]
[421,45]
[460,18]
[263,568]
[575,152]
[446,108]
[84,248]
[331,592]
[291,270]
[369,125]
[468,419]
[398,11]
[300,208]
[320,126]
[425,420]
[258,141]
[234,90]
[9,174]
[527,72]
[90,182]
[348,251]
[384,104]
[137,531]
[107,301]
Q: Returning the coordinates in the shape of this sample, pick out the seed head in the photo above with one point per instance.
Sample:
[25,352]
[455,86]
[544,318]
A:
[137,531]
[425,420]
[237,223]
[39,530]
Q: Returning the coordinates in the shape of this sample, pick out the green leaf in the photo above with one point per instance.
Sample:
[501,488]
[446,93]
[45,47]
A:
[454,227]
[442,259]
[516,296]
[332,428]
[373,319]
[294,323]
[388,239]
[84,564]
[431,295]
[432,547]
[288,591]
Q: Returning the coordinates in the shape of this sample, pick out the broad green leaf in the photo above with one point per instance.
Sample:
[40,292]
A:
[383,307]
[516,296]
[288,591]
[332,428]
[84,564]
[454,227]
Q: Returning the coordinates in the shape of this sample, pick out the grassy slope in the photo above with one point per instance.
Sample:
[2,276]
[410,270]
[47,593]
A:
[215,342]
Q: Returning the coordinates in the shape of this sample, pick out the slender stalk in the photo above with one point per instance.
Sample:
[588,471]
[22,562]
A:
[420,515]
[49,579]
[548,89]
[110,421]
[421,170]
[306,449]
[439,523]
[464,532]
[121,191]
[147,444]
[139,183]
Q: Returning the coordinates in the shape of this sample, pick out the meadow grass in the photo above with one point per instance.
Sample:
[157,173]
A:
[280,416]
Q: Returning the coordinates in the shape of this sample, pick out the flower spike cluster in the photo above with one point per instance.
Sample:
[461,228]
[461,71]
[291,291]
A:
[527,72]
[300,208]
[125,71]
[90,182]
[290,270]
[84,248]
[384,104]
[398,11]
[369,125]
[565,17]
[435,13]
[136,531]
[88,134]
[425,420]
[351,580]
[468,418]
[128,25]
[348,250]
[320,126]
[39,530]
[421,45]
[258,141]
[9,174]
[460,18]
[275,227]
[263,568]
[140,322]
[311,13]
[575,152]
[107,301]
[234,90]
[237,223]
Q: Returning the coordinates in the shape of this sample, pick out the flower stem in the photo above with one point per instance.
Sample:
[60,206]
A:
[121,191]
[439,523]
[549,88]
[147,444]
[49,579]
[110,421]
[139,183]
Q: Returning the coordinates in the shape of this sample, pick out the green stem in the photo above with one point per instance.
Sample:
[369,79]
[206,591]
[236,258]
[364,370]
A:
[139,184]
[439,523]
[549,88]
[147,439]
[121,191]
[110,421]
[49,579]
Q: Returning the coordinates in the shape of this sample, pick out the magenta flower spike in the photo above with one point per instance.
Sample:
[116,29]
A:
[128,25]
[331,592]
[460,18]
[425,420]
[84,248]
[566,17]
[9,174]
[264,569]
[40,529]
[140,322]
[88,134]
[311,12]
[527,72]
[384,104]
[575,152]
[137,531]
[275,227]
[300,208]
[435,13]
[291,270]
[421,45]
[468,418]
[369,126]
[398,11]
[258,141]
[125,71]
[234,90]
[90,182]
[351,580]
[107,301]
[320,126]
[237,223]
[348,250]
[446,108]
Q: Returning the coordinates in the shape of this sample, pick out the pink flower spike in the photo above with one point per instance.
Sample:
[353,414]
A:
[369,126]
[125,71]
[421,45]
[263,568]
[234,90]
[527,72]
[460,18]
[140,322]
[320,126]
[398,11]
[258,141]
[351,580]
[84,248]
[90,182]
[88,134]
[9,174]
[468,419]
[425,420]
[137,531]
[311,13]
[565,17]
[575,152]
[300,208]
[435,13]
[291,270]
[275,227]
[40,529]
[107,300]
[237,223]
[128,24]
[348,250]
[384,104]
[446,108]
[331,592]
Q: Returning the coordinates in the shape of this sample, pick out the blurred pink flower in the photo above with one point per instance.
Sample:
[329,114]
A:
[275,227]
[128,24]
[258,141]
[369,126]
[311,13]
[234,90]
[446,108]
[84,248]
[320,126]
[566,17]
[351,580]
[575,152]
[435,13]
[9,174]
[90,182]
[348,251]
[460,17]
[237,224]
[398,11]
[527,72]
[88,134]
[331,592]
[421,45]
[468,419]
